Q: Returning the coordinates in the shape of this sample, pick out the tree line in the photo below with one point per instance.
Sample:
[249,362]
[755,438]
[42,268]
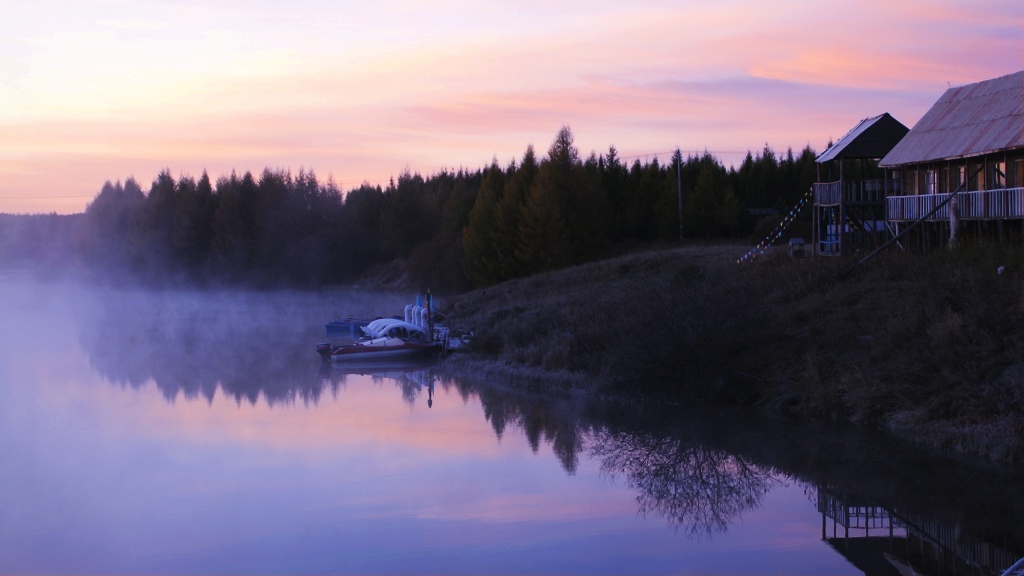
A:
[452,230]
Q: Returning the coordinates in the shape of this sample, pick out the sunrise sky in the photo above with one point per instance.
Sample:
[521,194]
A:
[99,90]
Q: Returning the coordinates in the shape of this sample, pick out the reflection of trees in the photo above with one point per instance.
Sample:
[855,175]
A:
[543,417]
[249,344]
[699,488]
[701,469]
[673,468]
[696,487]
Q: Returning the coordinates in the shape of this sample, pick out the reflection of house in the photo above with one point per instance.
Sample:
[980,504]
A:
[880,541]
[850,203]
[879,178]
[866,535]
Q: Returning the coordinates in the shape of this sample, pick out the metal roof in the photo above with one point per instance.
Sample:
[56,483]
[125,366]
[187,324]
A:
[967,121]
[870,138]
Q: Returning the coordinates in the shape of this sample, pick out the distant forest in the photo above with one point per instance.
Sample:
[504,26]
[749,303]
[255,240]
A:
[451,231]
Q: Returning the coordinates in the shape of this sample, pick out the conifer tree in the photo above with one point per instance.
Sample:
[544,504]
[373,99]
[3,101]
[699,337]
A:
[544,238]
[103,240]
[235,225]
[478,242]
[508,215]
[613,181]
[151,234]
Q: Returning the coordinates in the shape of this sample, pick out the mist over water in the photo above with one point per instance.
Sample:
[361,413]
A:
[190,431]
[249,344]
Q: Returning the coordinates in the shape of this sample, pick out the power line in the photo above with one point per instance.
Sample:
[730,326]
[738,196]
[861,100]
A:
[693,152]
[37,197]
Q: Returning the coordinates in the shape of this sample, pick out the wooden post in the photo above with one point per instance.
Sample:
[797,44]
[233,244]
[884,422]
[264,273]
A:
[954,222]
[679,189]
[814,221]
[906,230]
[836,222]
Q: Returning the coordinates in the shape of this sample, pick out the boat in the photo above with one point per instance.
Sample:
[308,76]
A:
[414,335]
[389,339]
[384,367]
[376,349]
[422,313]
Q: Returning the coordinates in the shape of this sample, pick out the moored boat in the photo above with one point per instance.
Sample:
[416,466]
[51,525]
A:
[390,339]
[384,348]
[415,336]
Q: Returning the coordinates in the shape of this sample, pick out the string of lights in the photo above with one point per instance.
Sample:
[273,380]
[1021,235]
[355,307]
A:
[777,231]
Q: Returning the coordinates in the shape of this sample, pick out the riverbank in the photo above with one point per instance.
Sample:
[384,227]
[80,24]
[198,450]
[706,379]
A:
[929,348]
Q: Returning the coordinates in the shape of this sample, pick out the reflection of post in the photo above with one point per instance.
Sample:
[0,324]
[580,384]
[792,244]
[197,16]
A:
[430,393]
[430,315]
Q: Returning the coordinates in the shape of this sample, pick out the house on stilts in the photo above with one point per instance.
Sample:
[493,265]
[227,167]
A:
[880,178]
[971,142]
[849,198]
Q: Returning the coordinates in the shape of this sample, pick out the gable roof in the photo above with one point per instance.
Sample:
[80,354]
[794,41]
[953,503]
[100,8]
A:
[967,121]
[870,138]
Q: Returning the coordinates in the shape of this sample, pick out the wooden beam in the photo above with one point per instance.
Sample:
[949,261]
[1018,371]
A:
[916,223]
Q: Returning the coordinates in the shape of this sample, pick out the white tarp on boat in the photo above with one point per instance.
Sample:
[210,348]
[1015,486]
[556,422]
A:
[394,328]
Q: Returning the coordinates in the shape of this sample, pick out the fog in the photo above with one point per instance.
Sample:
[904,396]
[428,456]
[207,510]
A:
[189,343]
[254,346]
[202,420]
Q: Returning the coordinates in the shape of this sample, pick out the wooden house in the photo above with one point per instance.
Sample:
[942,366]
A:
[970,141]
[850,196]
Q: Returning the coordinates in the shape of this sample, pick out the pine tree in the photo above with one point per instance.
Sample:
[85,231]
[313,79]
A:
[508,215]
[478,243]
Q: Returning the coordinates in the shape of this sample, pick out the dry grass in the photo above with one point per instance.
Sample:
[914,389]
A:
[930,348]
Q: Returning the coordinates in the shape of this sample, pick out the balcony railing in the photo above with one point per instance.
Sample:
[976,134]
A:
[855,191]
[999,204]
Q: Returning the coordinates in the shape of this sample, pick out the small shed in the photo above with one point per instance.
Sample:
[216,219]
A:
[796,247]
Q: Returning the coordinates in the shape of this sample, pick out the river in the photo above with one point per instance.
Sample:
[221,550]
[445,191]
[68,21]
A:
[184,432]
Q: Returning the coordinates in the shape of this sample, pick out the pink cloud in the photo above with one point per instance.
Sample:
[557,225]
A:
[725,77]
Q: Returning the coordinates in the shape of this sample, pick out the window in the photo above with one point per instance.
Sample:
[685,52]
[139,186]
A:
[997,175]
[931,181]
[896,184]
[977,176]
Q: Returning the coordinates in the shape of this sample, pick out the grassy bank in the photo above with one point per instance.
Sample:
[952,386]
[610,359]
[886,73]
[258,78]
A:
[930,348]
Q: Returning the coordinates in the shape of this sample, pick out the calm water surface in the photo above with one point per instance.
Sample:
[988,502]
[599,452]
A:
[176,432]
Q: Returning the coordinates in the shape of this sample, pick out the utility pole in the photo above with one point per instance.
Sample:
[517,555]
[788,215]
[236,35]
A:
[679,189]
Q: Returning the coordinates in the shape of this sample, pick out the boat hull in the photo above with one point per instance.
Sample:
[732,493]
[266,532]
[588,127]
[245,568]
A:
[362,353]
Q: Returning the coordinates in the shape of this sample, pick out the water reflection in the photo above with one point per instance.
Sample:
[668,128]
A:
[249,345]
[883,507]
[698,488]
[881,540]
[415,378]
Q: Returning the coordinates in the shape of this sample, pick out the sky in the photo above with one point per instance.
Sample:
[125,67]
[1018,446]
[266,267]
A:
[103,90]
